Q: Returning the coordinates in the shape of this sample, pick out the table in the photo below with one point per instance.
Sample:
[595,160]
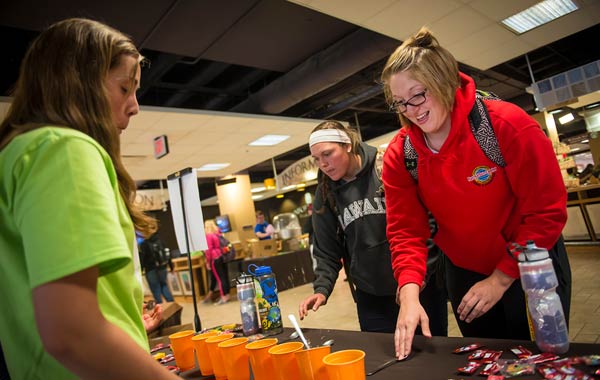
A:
[431,358]
[583,209]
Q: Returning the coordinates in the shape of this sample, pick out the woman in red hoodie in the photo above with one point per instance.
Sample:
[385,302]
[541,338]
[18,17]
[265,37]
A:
[480,206]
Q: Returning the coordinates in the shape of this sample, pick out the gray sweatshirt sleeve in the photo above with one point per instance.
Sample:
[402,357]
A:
[327,248]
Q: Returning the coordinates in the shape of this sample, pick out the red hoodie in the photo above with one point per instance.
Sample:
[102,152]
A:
[476,215]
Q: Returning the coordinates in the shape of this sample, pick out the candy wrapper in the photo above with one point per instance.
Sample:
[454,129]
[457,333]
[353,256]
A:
[541,358]
[468,348]
[470,368]
[590,359]
[158,347]
[521,352]
[512,368]
[489,369]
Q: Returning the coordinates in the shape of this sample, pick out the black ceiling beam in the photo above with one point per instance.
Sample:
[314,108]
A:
[369,109]
[202,77]
[321,71]
[195,89]
[156,69]
[335,109]
[236,87]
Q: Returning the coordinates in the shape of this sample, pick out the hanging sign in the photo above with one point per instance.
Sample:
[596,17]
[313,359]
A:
[300,171]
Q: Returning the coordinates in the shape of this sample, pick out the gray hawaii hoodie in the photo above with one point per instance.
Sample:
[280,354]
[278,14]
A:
[359,227]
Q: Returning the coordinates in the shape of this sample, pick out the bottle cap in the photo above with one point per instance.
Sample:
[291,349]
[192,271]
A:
[256,270]
[533,252]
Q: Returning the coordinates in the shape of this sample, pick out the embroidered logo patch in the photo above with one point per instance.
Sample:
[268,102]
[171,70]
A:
[482,175]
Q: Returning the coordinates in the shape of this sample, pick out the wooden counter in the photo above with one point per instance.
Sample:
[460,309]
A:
[181,268]
[583,209]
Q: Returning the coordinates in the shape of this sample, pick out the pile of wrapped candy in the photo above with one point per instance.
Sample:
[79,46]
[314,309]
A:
[548,365]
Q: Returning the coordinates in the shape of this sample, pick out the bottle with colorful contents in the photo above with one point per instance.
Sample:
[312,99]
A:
[267,299]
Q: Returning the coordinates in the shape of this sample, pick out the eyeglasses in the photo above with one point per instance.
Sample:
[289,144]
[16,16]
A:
[414,101]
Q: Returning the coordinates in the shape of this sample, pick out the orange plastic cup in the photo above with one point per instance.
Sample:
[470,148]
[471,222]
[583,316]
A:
[202,357]
[215,355]
[284,360]
[260,359]
[235,358]
[346,365]
[183,349]
[311,363]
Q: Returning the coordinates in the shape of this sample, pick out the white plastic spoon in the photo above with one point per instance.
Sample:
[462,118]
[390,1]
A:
[295,323]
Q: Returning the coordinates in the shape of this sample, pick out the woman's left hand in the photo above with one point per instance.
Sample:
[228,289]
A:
[483,295]
[152,318]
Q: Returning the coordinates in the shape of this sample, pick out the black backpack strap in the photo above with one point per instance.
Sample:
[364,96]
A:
[481,126]
[411,158]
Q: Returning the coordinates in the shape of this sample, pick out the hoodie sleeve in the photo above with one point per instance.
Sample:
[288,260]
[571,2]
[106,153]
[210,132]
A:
[327,246]
[535,178]
[407,220]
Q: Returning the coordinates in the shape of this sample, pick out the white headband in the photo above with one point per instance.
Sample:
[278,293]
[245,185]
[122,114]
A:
[328,135]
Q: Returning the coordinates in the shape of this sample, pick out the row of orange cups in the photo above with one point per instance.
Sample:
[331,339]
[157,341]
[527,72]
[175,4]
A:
[226,357]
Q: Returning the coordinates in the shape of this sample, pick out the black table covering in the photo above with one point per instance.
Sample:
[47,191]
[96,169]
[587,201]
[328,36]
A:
[430,359]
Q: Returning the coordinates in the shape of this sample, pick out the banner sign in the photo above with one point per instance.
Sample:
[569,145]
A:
[301,171]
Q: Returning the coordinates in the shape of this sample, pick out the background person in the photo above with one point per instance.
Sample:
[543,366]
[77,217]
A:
[154,259]
[349,224]
[263,230]
[219,279]
[478,214]
[67,239]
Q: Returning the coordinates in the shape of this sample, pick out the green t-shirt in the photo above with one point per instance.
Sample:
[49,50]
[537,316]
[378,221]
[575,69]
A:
[61,212]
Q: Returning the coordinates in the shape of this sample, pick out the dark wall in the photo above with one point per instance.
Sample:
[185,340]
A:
[166,231]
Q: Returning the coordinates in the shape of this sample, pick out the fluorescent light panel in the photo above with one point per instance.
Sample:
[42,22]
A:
[566,118]
[213,166]
[539,14]
[269,140]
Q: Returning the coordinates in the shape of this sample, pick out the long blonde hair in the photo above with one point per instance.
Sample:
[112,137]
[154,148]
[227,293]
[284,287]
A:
[210,227]
[429,63]
[61,83]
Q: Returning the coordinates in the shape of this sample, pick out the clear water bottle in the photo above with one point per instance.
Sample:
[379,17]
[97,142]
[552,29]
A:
[545,309]
[246,294]
[267,299]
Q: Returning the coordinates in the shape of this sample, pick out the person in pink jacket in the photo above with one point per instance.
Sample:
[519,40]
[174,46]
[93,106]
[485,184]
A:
[214,262]
[481,204]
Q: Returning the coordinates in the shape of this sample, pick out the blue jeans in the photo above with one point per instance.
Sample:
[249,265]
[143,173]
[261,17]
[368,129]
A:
[157,280]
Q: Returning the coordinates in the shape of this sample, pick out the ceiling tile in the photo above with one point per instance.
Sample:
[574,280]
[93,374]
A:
[453,28]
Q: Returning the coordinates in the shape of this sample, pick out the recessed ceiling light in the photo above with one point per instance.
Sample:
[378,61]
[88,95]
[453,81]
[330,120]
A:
[566,118]
[539,14]
[268,140]
[279,196]
[213,166]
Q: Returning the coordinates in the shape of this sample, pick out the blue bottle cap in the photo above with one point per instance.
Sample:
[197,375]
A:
[532,252]
[256,270]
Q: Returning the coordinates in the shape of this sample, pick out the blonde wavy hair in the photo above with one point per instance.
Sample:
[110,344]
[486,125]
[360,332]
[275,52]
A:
[210,227]
[428,63]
